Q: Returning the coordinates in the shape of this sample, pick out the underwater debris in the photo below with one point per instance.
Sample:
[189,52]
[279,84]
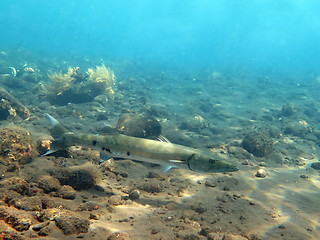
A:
[8,71]
[10,106]
[15,145]
[103,78]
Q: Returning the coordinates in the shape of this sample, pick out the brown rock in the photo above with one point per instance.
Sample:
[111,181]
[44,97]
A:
[69,223]
[49,214]
[66,192]
[115,200]
[48,183]
[8,195]
[15,218]
[89,206]
[15,145]
[16,184]
[27,203]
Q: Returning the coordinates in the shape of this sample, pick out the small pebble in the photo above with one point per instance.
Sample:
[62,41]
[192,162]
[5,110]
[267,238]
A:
[245,162]
[155,231]
[262,164]
[261,173]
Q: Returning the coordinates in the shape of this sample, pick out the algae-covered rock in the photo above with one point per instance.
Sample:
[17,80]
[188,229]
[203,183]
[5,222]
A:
[17,219]
[287,110]
[259,144]
[15,145]
[76,86]
[79,177]
[70,223]
[16,184]
[299,129]
[136,125]
[48,183]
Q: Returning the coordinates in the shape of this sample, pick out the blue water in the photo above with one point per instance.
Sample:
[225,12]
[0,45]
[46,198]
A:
[268,36]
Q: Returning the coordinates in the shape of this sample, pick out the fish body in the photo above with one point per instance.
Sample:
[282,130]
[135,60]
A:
[152,151]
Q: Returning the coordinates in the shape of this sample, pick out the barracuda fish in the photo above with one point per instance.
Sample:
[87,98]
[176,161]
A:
[159,152]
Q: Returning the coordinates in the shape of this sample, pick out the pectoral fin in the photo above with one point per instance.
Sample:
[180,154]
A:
[165,168]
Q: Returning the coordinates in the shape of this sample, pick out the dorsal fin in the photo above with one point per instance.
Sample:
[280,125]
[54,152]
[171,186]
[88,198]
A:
[57,129]
[163,139]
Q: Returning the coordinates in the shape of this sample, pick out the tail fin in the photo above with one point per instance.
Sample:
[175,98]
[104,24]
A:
[57,129]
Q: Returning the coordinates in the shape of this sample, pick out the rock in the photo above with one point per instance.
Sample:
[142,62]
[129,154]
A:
[50,202]
[16,184]
[43,144]
[66,192]
[210,183]
[151,187]
[119,236]
[193,124]
[134,194]
[89,206]
[27,203]
[259,144]
[69,223]
[299,129]
[39,226]
[316,165]
[16,219]
[233,237]
[287,110]
[136,125]
[261,173]
[49,214]
[79,177]
[115,200]
[48,183]
[16,145]
[95,216]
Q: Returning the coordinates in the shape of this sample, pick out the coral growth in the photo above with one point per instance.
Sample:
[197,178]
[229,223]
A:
[103,78]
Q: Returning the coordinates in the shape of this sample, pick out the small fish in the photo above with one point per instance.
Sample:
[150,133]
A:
[159,152]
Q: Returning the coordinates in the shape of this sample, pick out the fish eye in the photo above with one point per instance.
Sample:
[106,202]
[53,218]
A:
[212,161]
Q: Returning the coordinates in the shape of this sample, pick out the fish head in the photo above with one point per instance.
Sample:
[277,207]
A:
[204,162]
